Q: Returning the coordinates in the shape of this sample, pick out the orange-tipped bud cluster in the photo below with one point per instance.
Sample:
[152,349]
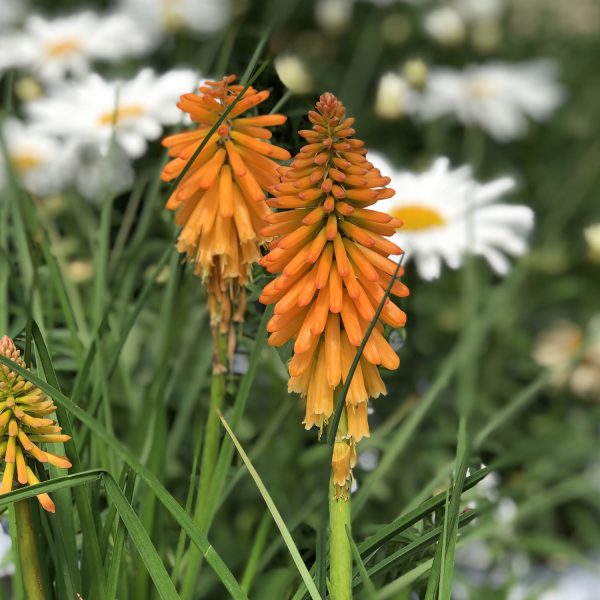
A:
[332,254]
[23,425]
[221,200]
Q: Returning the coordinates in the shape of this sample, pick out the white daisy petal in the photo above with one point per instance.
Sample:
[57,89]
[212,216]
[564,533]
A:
[90,111]
[41,163]
[163,16]
[499,97]
[51,49]
[447,214]
[429,266]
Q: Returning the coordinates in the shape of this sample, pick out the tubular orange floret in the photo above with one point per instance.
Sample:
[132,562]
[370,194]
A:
[221,200]
[331,256]
[22,421]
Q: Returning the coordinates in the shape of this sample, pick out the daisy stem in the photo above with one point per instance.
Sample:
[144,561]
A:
[209,459]
[27,551]
[340,549]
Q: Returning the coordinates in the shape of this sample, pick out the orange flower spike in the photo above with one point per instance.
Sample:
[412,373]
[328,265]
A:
[221,200]
[330,253]
[22,422]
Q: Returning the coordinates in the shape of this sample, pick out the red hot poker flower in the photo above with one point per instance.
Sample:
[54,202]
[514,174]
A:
[331,254]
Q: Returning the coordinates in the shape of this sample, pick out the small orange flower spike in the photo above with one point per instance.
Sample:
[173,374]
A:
[332,254]
[23,412]
[221,200]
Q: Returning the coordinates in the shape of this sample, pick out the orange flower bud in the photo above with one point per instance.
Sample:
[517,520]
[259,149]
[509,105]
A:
[221,200]
[22,419]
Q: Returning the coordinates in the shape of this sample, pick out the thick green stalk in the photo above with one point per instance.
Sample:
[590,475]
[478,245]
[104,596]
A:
[340,527]
[210,449]
[340,551]
[28,553]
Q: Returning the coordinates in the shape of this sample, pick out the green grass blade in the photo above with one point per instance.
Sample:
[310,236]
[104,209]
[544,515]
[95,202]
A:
[404,433]
[157,488]
[52,485]
[260,539]
[417,545]
[399,525]
[335,420]
[239,405]
[368,586]
[90,544]
[285,534]
[140,538]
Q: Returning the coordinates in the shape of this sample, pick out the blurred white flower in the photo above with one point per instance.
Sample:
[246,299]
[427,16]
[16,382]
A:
[333,15]
[12,12]
[41,164]
[293,74]
[368,459]
[54,48]
[476,555]
[394,97]
[506,511]
[572,355]
[80,271]
[592,238]
[445,25]
[100,174]
[480,10]
[7,565]
[390,2]
[201,16]
[447,214]
[92,110]
[496,96]
[575,583]
[416,72]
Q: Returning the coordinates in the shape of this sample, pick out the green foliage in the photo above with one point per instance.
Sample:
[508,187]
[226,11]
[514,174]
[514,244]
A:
[471,424]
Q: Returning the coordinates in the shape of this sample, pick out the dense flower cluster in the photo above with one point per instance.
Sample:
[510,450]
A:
[23,425]
[221,199]
[331,254]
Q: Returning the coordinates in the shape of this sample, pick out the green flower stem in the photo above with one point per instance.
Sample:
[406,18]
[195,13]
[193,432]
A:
[27,551]
[340,552]
[340,524]
[210,452]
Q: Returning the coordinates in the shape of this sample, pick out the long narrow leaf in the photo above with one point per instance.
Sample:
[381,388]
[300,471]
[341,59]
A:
[285,534]
[141,540]
[178,513]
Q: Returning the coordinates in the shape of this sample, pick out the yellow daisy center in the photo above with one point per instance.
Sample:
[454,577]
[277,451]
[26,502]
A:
[417,217]
[62,47]
[25,161]
[122,113]
[482,87]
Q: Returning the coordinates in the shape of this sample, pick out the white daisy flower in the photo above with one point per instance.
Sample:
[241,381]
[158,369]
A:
[159,16]
[394,97]
[445,25]
[496,96]
[480,10]
[90,111]
[100,174]
[42,164]
[447,214]
[292,72]
[54,48]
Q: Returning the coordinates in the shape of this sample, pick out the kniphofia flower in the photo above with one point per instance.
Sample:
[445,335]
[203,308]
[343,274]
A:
[221,200]
[24,425]
[331,254]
